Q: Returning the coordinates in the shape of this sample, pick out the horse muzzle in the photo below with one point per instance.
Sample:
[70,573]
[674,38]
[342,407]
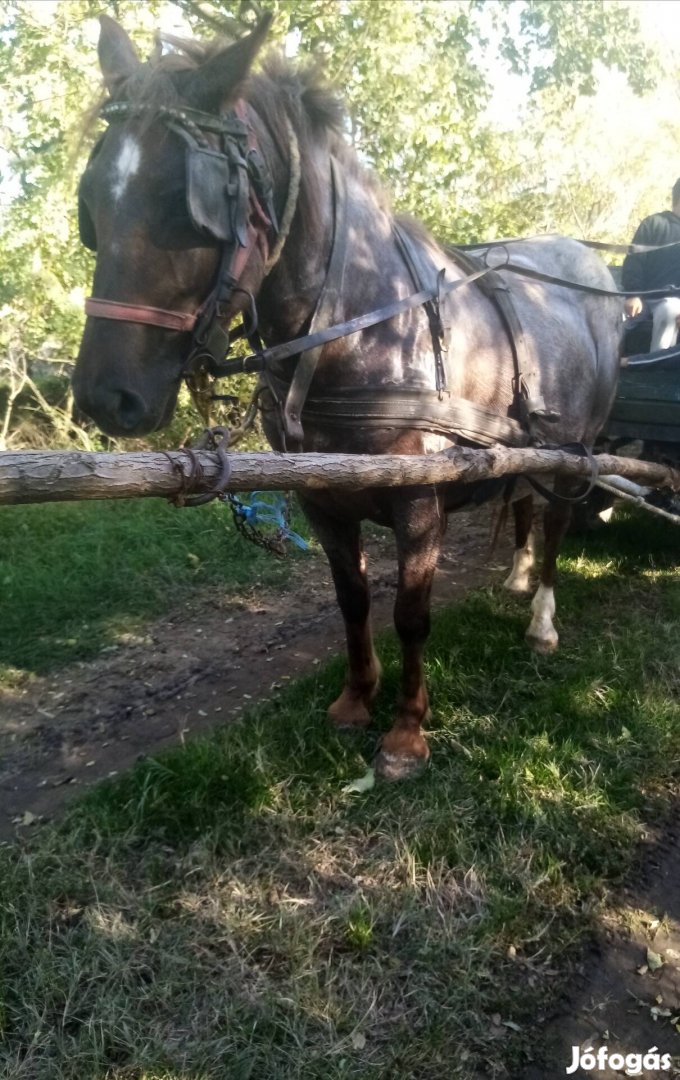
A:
[126,396]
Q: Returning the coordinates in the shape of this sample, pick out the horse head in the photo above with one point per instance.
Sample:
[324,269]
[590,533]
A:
[176,203]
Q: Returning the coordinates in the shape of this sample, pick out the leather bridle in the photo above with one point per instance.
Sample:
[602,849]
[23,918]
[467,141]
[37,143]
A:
[241,186]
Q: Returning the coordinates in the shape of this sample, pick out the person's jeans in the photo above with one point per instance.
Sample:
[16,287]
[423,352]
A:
[665,314]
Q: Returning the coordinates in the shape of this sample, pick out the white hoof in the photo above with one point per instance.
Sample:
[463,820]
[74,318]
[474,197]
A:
[519,578]
[542,635]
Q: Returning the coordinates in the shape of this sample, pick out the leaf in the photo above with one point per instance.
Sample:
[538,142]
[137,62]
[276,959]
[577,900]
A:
[361,784]
[654,961]
[358,1040]
[656,1012]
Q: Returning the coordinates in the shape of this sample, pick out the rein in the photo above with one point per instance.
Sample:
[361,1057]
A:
[257,362]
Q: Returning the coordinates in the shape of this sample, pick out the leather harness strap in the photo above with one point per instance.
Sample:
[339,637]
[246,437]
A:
[529,403]
[387,407]
[324,312]
[431,306]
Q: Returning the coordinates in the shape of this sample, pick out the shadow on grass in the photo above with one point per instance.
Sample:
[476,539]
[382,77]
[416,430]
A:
[228,910]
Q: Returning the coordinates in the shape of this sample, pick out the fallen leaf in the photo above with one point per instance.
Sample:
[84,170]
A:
[358,1040]
[361,784]
[642,970]
[512,1025]
[656,1012]
[654,961]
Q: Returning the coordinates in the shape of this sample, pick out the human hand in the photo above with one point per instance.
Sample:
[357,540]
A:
[632,306]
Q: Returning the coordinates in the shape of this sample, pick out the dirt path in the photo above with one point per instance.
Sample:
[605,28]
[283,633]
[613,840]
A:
[205,663]
[615,999]
[193,671]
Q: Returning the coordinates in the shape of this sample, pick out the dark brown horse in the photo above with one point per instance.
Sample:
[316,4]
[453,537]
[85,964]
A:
[201,158]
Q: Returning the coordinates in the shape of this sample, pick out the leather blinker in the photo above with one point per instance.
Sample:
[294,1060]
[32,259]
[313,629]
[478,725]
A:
[88,236]
[86,229]
[217,194]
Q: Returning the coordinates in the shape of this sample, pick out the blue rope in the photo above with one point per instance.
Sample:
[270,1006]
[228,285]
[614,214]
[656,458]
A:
[267,508]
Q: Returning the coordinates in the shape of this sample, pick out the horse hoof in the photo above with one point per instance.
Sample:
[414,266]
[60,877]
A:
[542,646]
[399,766]
[517,586]
[348,715]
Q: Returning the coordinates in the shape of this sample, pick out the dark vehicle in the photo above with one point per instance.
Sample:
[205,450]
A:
[647,403]
[646,409]
[644,422]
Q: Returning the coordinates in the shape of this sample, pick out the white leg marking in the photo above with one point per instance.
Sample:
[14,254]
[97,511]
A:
[541,633]
[518,580]
[126,166]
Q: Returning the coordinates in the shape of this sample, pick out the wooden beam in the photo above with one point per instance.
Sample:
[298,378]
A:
[51,476]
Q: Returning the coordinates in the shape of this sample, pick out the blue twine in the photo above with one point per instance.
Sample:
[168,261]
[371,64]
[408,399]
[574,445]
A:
[268,508]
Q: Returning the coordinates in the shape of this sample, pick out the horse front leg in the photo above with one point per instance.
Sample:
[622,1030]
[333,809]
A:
[519,578]
[341,541]
[419,526]
[542,635]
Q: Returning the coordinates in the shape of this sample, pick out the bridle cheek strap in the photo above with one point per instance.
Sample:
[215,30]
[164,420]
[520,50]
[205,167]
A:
[182,321]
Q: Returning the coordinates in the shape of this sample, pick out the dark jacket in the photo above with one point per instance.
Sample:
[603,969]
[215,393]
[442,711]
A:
[654,269]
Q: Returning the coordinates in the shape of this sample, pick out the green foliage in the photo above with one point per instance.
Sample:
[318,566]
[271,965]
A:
[562,44]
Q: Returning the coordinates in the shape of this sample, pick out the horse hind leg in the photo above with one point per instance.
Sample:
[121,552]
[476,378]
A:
[341,541]
[519,578]
[418,525]
[541,634]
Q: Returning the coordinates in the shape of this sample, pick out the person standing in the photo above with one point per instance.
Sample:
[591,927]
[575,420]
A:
[643,270]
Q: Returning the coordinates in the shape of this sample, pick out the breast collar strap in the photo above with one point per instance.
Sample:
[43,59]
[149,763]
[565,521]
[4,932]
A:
[252,228]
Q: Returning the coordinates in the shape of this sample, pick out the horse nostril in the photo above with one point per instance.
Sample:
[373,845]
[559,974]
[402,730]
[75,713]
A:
[129,409]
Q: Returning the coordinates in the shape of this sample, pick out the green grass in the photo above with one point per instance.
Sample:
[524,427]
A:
[227,911]
[74,577]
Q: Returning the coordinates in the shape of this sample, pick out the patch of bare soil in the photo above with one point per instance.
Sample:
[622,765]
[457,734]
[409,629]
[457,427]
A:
[194,670]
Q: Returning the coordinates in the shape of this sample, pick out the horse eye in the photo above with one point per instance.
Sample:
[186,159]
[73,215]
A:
[175,202]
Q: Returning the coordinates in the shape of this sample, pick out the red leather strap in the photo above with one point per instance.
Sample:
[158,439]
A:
[137,313]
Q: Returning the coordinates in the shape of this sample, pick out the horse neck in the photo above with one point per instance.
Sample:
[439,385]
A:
[289,294]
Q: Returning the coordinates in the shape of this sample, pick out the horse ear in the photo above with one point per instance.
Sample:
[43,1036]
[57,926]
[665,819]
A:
[222,75]
[117,56]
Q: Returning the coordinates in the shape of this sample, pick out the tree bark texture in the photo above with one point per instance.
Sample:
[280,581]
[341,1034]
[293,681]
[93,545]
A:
[53,476]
